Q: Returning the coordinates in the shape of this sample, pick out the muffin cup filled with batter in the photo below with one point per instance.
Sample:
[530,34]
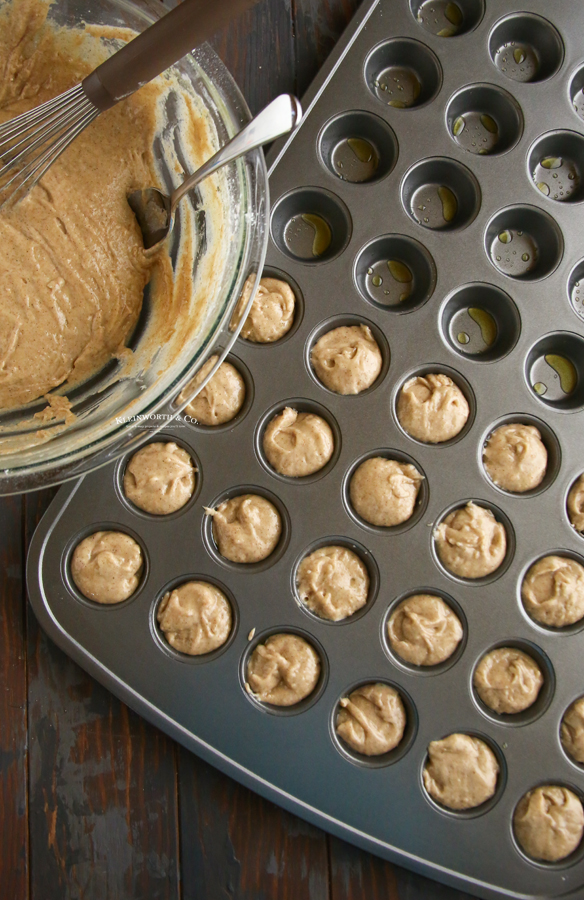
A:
[462,773]
[473,541]
[107,566]
[386,489]
[298,440]
[284,670]
[575,505]
[195,619]
[434,406]
[247,527]
[572,731]
[220,401]
[425,631]
[548,823]
[520,455]
[513,682]
[347,359]
[374,723]
[160,478]
[272,312]
[552,591]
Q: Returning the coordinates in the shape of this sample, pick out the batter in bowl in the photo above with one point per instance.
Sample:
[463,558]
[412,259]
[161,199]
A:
[508,680]
[221,398]
[246,528]
[106,566]
[423,630]
[553,591]
[372,719]
[576,504]
[195,618]
[283,670]
[572,730]
[333,582]
[160,478]
[347,359]
[71,289]
[297,444]
[461,771]
[470,542]
[384,491]
[515,458]
[548,822]
[432,408]
[272,312]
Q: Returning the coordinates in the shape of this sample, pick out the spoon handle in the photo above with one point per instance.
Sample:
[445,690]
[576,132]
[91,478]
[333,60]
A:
[279,117]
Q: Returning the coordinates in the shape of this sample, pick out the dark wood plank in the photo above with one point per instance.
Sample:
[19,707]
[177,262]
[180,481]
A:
[258,49]
[356,875]
[103,817]
[318,25]
[236,845]
[13,727]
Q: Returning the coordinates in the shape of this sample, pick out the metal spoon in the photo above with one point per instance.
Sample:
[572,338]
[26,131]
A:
[155,210]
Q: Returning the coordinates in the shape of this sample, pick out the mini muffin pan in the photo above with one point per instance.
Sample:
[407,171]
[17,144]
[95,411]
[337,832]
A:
[447,137]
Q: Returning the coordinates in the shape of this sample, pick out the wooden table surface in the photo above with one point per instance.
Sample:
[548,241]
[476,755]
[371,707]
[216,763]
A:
[96,804]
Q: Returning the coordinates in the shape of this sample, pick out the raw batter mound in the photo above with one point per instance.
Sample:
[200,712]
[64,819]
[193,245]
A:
[298,444]
[372,719]
[272,312]
[106,566]
[333,582]
[470,542]
[553,591]
[347,359]
[195,618]
[384,491]
[423,630]
[548,822]
[576,504]
[515,458]
[432,408]
[221,398]
[73,263]
[246,529]
[508,680]
[284,670]
[461,771]
[160,478]
[572,730]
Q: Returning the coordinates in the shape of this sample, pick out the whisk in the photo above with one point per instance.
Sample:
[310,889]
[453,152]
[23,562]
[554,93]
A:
[31,142]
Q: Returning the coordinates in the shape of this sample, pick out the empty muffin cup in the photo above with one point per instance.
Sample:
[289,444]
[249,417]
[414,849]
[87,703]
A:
[358,147]
[446,18]
[311,225]
[523,242]
[480,321]
[403,73]
[526,47]
[396,273]
[484,120]
[441,194]
[554,370]
[556,166]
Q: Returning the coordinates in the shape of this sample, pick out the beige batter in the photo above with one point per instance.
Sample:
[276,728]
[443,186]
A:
[384,491]
[333,582]
[106,566]
[508,680]
[572,730]
[372,719]
[548,822]
[246,529]
[432,408]
[515,458]
[221,398]
[576,504]
[461,771]
[160,478]
[347,359]
[423,630]
[470,542]
[73,265]
[283,670]
[272,312]
[195,618]
[553,591]
[297,444]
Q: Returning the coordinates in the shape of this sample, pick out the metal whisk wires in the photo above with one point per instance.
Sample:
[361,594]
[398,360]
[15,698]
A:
[31,142]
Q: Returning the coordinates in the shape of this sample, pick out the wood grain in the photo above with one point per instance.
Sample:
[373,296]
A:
[103,818]
[13,725]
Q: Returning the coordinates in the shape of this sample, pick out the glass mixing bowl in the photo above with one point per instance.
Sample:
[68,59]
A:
[115,412]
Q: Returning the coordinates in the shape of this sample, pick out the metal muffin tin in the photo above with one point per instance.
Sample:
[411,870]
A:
[292,756]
